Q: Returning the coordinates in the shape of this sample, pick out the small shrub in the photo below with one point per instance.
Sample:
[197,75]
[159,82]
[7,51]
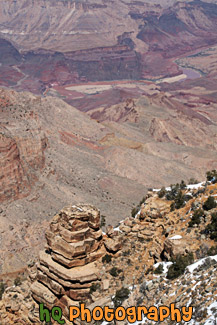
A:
[179,264]
[176,195]
[172,206]
[171,195]
[107,258]
[120,296]
[202,251]
[179,200]
[142,201]
[162,192]
[129,261]
[103,221]
[212,251]
[196,218]
[192,181]
[201,314]
[182,185]
[94,287]
[159,269]
[141,239]
[211,176]
[2,289]
[207,263]
[115,271]
[139,301]
[211,229]
[135,211]
[17,281]
[209,204]
[149,270]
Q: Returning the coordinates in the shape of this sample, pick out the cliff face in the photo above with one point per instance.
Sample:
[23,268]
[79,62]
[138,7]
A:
[64,25]
[22,157]
[98,41]
[79,25]
[184,21]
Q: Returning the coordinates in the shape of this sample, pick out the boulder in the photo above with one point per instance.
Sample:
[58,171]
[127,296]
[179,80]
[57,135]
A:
[113,245]
[125,228]
[105,284]
[174,247]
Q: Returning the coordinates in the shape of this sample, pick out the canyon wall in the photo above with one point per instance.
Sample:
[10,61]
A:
[98,41]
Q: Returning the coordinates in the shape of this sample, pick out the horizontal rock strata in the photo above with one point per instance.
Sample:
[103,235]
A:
[67,268]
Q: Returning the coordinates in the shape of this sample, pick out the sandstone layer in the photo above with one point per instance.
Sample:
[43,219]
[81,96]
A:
[66,269]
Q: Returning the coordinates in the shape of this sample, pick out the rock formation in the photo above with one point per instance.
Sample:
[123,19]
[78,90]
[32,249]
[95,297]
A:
[70,269]
[66,269]
[21,158]
[85,49]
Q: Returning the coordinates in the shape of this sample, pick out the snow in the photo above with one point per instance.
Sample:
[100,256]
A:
[158,189]
[176,237]
[195,186]
[75,206]
[197,284]
[118,229]
[138,214]
[193,267]
[189,187]
[165,265]
[211,319]
[189,194]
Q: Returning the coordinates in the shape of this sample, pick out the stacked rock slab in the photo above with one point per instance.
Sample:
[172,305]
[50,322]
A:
[67,268]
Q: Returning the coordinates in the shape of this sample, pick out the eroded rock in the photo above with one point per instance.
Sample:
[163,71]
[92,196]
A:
[67,268]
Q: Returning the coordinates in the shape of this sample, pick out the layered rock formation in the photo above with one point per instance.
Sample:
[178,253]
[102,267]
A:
[22,157]
[156,234]
[91,42]
[66,269]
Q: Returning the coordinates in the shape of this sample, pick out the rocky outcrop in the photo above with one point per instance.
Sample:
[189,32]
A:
[181,131]
[70,269]
[176,247]
[66,269]
[154,209]
[22,156]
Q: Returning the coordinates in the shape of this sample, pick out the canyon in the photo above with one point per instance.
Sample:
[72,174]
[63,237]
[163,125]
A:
[108,154]
[99,102]
[98,41]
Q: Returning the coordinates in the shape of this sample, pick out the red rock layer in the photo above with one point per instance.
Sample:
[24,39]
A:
[20,158]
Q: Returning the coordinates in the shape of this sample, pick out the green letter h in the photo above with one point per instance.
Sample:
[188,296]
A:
[44,312]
